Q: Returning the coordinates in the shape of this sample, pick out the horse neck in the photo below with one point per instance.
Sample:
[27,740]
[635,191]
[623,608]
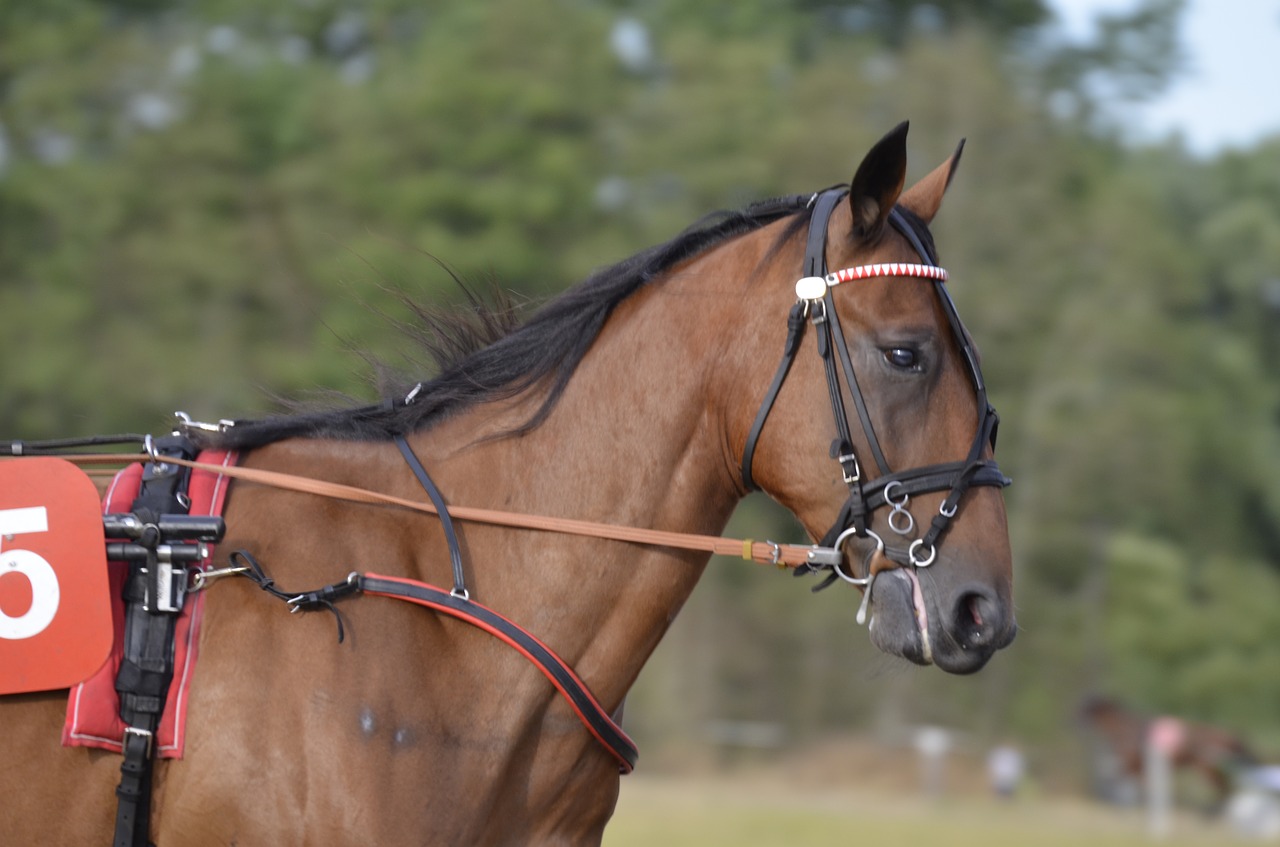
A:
[637,440]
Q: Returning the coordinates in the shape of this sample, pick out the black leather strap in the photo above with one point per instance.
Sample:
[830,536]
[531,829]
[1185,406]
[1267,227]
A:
[795,332]
[146,668]
[133,809]
[594,717]
[851,379]
[815,247]
[442,509]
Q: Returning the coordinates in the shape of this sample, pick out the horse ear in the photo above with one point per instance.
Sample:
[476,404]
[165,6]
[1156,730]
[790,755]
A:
[925,196]
[878,182]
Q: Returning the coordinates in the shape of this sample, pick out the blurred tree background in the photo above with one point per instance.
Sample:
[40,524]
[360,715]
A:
[204,206]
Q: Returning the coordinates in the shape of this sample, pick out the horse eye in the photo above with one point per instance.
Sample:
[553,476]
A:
[902,357]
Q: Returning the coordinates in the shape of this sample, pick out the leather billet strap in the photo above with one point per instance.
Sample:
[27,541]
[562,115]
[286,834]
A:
[146,668]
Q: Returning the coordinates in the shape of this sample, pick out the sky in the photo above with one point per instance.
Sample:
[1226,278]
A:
[1229,95]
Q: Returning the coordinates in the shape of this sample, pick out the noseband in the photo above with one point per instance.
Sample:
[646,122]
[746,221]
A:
[815,305]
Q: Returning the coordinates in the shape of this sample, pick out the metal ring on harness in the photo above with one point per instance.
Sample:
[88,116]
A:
[899,508]
[926,561]
[853,580]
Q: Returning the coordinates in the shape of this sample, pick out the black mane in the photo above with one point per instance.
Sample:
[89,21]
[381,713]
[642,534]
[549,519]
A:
[547,348]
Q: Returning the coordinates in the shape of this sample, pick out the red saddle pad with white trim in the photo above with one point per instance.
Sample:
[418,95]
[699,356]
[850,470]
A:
[93,712]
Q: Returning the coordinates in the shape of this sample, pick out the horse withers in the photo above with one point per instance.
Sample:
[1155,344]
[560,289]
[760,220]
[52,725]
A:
[650,395]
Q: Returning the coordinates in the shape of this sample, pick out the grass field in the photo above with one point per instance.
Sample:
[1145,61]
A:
[853,791]
[746,811]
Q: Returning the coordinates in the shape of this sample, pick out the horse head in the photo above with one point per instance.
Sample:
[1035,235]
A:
[876,432]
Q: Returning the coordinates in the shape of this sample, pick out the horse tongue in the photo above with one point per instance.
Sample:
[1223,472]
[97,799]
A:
[922,614]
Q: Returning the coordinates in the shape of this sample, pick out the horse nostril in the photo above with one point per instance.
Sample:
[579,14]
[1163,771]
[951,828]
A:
[977,619]
[975,610]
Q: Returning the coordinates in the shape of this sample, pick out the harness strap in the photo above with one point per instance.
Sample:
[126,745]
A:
[593,716]
[146,668]
[795,332]
[842,450]
[574,690]
[834,330]
[442,511]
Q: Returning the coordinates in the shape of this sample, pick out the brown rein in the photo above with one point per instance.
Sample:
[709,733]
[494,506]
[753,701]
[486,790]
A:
[762,552]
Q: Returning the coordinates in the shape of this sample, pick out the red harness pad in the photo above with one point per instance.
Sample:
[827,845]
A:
[93,713]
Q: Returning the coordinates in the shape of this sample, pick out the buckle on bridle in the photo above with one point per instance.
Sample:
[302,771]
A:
[850,476]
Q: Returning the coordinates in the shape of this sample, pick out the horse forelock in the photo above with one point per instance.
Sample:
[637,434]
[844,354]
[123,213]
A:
[483,353]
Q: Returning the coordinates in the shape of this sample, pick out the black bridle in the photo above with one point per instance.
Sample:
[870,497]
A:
[815,305]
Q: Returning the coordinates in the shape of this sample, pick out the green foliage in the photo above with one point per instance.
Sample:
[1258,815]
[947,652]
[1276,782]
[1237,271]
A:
[206,205]
[1190,636]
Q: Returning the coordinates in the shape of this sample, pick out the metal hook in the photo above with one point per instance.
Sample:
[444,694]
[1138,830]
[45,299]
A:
[200,579]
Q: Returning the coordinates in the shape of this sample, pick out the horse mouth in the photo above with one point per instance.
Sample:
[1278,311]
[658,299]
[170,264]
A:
[907,622]
[899,622]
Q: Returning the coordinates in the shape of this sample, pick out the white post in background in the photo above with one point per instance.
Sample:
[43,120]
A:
[1164,738]
[933,743]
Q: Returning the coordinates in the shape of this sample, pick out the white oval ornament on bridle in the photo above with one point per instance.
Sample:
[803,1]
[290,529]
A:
[811,288]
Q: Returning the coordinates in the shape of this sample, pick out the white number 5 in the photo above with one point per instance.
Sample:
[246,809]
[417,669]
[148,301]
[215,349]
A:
[44,582]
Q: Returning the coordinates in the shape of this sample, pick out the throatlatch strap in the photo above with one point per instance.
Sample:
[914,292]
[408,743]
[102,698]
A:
[795,331]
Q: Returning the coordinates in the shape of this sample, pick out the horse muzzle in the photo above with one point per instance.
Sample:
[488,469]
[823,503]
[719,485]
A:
[957,630]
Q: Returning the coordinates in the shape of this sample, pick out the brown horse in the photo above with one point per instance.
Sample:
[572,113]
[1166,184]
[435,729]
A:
[1213,753]
[628,400]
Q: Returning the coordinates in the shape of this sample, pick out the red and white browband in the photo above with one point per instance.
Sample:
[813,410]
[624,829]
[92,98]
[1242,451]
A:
[814,287]
[887,269]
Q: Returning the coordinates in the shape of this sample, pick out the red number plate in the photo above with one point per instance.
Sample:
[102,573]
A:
[55,611]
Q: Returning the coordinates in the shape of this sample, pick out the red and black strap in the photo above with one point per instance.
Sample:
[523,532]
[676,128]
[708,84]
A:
[593,716]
